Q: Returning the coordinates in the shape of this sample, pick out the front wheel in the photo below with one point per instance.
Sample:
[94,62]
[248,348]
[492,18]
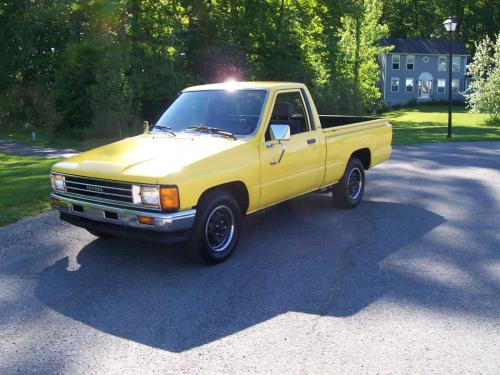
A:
[216,228]
[349,190]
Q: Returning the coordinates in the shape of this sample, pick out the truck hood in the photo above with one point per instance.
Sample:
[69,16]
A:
[145,158]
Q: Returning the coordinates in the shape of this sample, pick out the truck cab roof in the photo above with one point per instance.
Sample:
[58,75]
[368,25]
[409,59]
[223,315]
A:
[233,85]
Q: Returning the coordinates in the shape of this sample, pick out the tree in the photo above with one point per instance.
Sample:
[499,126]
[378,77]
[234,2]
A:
[350,86]
[100,67]
[483,94]
[424,18]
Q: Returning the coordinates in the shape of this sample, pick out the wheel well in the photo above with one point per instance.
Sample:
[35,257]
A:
[364,155]
[237,188]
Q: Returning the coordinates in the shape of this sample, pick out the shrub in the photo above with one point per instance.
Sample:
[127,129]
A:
[483,94]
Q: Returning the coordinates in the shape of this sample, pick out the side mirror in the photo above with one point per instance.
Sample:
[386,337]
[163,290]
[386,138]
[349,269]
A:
[280,132]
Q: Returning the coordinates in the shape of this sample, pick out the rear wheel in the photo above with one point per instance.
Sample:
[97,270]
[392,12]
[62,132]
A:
[349,190]
[216,228]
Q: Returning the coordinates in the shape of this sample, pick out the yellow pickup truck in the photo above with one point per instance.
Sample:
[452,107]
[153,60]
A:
[219,152]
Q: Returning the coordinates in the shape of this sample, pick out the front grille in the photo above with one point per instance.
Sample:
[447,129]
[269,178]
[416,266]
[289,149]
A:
[99,189]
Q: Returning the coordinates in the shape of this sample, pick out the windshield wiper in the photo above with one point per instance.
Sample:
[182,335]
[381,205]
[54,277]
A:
[166,129]
[211,130]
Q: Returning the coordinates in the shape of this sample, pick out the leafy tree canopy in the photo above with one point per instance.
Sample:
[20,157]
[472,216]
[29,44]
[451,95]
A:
[101,67]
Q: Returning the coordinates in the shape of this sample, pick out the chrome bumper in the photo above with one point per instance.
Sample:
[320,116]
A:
[163,222]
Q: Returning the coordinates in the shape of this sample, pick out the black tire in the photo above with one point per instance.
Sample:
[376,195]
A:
[99,234]
[216,228]
[348,193]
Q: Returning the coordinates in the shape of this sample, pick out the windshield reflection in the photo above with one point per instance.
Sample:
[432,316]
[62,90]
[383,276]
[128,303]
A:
[235,112]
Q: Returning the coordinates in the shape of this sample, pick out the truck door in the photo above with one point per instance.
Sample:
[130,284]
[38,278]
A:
[301,169]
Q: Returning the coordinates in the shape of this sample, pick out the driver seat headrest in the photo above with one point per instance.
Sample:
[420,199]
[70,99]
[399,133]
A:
[282,109]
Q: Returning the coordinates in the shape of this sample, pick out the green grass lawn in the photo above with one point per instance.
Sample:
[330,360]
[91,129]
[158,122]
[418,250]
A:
[429,123]
[25,186]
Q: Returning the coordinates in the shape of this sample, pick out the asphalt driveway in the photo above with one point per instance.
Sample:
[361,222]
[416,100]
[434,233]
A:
[10,147]
[409,282]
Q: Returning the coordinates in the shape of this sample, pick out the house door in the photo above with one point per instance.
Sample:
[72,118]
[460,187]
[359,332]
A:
[425,86]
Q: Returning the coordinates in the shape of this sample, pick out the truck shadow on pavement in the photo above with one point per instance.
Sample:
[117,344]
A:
[303,256]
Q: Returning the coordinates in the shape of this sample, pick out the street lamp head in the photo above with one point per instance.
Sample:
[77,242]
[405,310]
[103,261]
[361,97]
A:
[450,24]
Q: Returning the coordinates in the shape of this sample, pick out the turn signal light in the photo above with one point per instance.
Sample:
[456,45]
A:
[169,198]
[55,202]
[146,220]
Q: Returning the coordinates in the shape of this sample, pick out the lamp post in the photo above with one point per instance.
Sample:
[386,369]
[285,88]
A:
[450,25]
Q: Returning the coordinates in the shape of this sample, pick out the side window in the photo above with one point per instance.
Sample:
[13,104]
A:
[409,85]
[441,86]
[396,59]
[442,64]
[410,62]
[455,64]
[289,109]
[395,84]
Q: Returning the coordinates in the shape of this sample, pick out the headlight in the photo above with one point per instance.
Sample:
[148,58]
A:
[150,195]
[57,182]
[165,197]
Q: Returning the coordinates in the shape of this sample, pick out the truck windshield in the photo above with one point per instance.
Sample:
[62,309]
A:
[235,112]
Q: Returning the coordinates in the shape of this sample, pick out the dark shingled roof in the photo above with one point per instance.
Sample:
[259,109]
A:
[425,46]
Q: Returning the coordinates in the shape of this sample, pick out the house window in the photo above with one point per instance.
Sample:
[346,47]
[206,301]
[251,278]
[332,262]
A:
[454,85]
[441,86]
[409,85]
[442,64]
[410,62]
[395,84]
[395,62]
[455,64]
[425,59]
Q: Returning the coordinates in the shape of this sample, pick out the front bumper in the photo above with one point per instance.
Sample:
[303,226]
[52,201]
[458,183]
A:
[121,217]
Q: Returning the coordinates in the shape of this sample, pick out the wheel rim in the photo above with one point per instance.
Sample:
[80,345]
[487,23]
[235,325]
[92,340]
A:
[355,183]
[219,230]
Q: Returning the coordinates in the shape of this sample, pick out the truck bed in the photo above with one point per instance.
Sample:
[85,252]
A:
[332,121]
[344,134]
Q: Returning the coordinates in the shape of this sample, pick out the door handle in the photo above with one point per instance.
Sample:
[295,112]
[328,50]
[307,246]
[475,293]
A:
[283,149]
[311,141]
